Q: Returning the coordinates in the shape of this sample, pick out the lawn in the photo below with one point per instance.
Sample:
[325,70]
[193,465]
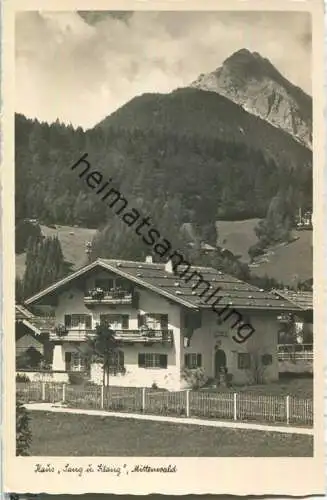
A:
[288,263]
[237,236]
[56,434]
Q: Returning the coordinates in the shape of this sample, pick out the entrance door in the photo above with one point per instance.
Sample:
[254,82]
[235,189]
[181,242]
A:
[220,362]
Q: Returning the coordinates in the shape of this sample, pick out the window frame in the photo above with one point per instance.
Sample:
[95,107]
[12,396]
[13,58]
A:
[193,360]
[154,321]
[153,360]
[76,363]
[266,359]
[122,325]
[242,365]
[104,283]
[117,362]
[81,324]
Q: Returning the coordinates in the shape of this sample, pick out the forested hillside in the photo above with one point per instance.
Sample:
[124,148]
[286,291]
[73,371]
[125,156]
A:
[206,154]
[185,157]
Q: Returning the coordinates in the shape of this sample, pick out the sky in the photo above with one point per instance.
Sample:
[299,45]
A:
[81,67]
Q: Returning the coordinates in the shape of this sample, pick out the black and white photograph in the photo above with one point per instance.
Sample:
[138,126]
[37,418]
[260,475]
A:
[165,212]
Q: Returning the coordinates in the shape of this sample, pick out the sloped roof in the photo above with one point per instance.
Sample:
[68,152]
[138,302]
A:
[22,313]
[303,300]
[27,341]
[37,324]
[155,277]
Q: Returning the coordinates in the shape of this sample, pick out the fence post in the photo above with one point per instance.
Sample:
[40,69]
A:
[287,409]
[235,405]
[187,402]
[43,391]
[102,397]
[63,392]
[143,399]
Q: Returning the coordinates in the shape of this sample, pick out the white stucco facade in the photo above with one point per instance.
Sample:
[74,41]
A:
[211,335]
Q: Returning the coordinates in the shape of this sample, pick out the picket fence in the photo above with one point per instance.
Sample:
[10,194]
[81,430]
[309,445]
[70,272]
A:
[241,406]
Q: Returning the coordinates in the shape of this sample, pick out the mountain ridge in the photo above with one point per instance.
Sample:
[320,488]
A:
[205,113]
[252,81]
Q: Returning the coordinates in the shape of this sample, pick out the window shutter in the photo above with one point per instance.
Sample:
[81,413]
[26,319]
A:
[164,321]
[140,320]
[68,357]
[68,360]
[88,321]
[68,320]
[141,360]
[199,360]
[163,360]
[121,361]
[185,360]
[125,322]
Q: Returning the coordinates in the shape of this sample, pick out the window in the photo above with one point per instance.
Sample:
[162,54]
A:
[75,362]
[152,360]
[266,359]
[108,284]
[243,360]
[116,321]
[193,360]
[104,284]
[78,321]
[153,321]
[116,362]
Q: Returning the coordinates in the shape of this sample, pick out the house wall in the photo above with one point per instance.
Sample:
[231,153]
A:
[204,340]
[300,366]
[71,301]
[212,334]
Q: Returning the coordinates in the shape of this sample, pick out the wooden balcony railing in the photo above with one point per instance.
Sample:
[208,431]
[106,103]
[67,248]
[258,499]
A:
[72,335]
[144,336]
[108,297]
[295,352]
[124,336]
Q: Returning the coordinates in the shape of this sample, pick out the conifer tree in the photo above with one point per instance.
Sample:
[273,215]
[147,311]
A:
[44,265]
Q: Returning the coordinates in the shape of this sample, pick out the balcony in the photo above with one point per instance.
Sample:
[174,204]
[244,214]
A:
[71,335]
[295,352]
[146,337]
[123,336]
[113,297]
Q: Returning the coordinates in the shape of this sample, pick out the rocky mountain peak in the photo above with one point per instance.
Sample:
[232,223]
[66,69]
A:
[252,81]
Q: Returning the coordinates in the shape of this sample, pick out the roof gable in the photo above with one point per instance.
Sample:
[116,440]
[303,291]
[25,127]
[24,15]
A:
[37,324]
[185,290]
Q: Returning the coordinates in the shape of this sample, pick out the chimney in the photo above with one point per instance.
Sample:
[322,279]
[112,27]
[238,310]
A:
[148,259]
[169,267]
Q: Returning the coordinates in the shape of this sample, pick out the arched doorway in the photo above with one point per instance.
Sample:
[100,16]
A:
[220,362]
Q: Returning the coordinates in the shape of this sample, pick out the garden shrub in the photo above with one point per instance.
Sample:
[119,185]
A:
[194,378]
[23,432]
[22,378]
[76,378]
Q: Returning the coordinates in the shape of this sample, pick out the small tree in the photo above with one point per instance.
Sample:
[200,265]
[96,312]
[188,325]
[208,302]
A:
[104,345]
[258,367]
[23,432]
